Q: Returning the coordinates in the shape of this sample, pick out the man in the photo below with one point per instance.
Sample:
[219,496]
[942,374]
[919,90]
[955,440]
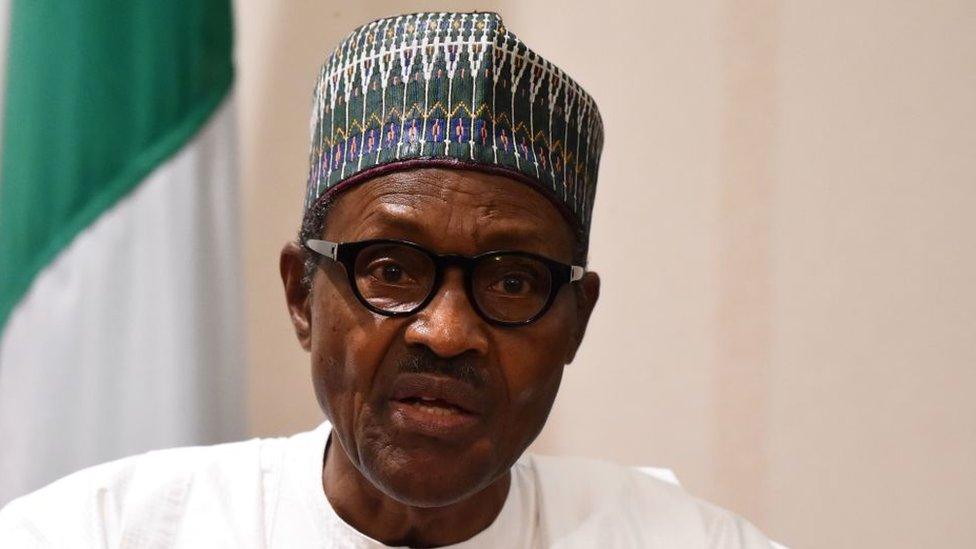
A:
[439,285]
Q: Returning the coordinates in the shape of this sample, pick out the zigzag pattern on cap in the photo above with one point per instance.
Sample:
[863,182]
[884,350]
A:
[457,86]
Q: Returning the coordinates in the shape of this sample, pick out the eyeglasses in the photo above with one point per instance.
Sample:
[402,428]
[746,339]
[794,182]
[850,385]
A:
[399,278]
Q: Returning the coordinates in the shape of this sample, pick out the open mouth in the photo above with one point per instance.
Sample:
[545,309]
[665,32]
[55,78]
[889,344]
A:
[437,406]
[434,406]
[434,418]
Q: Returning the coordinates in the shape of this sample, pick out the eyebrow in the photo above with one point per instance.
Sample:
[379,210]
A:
[514,236]
[383,219]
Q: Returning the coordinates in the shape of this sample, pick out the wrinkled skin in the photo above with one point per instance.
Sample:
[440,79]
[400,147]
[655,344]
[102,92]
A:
[398,487]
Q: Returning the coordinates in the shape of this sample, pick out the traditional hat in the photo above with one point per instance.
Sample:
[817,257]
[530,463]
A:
[455,89]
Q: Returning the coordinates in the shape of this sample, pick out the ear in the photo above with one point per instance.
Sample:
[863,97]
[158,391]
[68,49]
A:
[587,293]
[292,265]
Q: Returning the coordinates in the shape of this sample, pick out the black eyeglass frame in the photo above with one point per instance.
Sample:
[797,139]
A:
[345,253]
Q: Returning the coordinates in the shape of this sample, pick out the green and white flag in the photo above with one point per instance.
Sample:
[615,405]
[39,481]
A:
[121,326]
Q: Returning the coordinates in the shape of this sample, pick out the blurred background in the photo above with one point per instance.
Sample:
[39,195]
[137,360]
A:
[784,228]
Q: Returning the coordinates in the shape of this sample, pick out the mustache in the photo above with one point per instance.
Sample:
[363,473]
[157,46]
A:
[461,368]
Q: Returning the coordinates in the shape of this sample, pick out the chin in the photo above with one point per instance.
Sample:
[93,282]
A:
[419,479]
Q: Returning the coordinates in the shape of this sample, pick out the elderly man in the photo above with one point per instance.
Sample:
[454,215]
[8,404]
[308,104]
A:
[439,285]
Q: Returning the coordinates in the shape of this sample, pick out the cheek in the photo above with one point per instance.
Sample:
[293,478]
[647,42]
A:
[533,379]
[532,361]
[541,347]
[348,346]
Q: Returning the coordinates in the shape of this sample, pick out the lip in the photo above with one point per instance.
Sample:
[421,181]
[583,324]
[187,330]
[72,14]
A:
[409,413]
[451,391]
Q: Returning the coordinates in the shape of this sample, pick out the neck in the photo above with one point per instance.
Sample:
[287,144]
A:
[367,509]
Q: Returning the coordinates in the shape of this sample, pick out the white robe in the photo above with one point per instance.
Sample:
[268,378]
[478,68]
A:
[268,493]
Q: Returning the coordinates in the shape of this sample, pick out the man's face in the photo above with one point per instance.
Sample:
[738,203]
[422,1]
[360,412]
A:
[361,360]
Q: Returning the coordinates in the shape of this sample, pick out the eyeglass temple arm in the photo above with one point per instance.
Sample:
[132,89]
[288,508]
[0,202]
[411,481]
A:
[576,272]
[324,247]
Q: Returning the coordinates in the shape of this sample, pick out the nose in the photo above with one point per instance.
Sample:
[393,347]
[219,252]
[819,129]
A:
[449,325]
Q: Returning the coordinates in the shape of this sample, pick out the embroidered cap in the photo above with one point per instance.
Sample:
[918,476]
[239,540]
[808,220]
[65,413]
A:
[452,89]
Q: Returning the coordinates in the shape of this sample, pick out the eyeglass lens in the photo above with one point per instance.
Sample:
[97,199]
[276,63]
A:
[397,279]
[394,278]
[511,288]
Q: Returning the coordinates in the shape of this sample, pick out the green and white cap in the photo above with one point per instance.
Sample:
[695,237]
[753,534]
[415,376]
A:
[458,90]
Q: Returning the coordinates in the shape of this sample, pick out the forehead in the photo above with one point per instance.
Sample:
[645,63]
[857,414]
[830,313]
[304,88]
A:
[450,210]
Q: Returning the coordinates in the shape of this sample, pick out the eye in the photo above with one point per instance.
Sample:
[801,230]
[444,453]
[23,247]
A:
[513,284]
[389,272]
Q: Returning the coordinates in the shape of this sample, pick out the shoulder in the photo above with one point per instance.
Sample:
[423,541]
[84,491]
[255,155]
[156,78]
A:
[586,501]
[90,507]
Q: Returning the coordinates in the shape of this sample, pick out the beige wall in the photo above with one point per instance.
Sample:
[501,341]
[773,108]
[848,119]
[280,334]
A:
[784,228]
